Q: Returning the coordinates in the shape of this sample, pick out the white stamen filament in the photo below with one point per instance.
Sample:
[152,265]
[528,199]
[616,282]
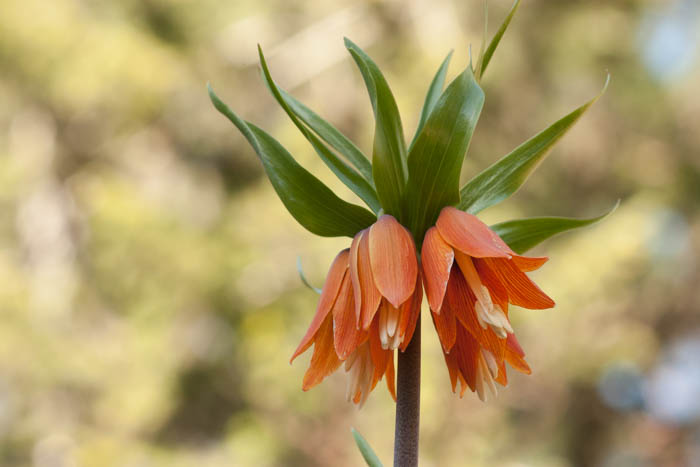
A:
[359,369]
[392,321]
[485,375]
[487,313]
[490,362]
[349,362]
[383,334]
[388,327]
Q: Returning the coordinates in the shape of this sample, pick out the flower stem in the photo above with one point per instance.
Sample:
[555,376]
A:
[408,404]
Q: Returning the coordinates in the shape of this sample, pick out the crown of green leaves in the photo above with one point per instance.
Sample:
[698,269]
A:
[412,183]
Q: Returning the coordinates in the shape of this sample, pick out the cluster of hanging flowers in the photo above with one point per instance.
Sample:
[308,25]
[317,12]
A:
[372,297]
[471,276]
[371,301]
[368,308]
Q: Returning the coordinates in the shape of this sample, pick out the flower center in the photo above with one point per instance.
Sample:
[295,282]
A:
[388,326]
[359,369]
[486,371]
[488,313]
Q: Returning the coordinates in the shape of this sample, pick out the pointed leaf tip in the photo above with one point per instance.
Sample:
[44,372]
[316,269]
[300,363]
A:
[607,81]
[488,54]
[302,276]
[389,148]
[435,161]
[365,449]
[523,234]
[431,98]
[508,174]
[325,131]
[351,178]
[307,199]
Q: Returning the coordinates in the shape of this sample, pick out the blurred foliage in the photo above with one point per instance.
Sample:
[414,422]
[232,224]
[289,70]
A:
[150,299]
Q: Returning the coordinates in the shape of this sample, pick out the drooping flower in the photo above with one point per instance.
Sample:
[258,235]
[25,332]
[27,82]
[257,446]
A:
[470,277]
[368,307]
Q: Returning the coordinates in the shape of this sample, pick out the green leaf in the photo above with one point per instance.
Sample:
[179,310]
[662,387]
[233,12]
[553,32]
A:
[435,162]
[367,453]
[311,202]
[331,135]
[302,276]
[434,92]
[389,148]
[486,57]
[503,178]
[482,49]
[346,174]
[524,234]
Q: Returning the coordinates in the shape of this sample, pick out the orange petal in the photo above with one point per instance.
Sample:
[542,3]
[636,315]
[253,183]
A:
[466,351]
[358,397]
[513,345]
[354,274]
[521,290]
[410,311]
[392,256]
[527,264]
[346,336]
[466,233]
[370,295]
[518,362]
[490,279]
[464,386]
[436,258]
[331,287]
[324,361]
[502,377]
[515,355]
[452,368]
[461,299]
[446,327]
[390,378]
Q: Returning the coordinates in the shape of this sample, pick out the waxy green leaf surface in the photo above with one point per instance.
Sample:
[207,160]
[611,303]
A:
[431,98]
[350,177]
[330,135]
[366,450]
[506,176]
[389,148]
[485,57]
[524,234]
[306,198]
[435,161]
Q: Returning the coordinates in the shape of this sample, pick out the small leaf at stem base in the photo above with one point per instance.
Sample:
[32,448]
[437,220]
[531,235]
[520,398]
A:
[366,450]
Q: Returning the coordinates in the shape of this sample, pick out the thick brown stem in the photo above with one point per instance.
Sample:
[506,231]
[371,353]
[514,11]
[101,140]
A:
[408,404]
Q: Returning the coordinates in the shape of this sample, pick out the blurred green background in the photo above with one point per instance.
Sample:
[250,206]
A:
[149,298]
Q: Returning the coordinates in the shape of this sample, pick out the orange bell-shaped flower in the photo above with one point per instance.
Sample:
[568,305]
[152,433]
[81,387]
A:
[470,277]
[368,307]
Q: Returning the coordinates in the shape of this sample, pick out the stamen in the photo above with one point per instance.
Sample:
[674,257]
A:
[360,369]
[487,313]
[396,341]
[485,375]
[392,320]
[383,334]
[353,380]
[388,327]
[490,362]
[366,381]
[350,361]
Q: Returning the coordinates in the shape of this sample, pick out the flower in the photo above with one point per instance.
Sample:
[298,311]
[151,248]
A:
[368,307]
[470,277]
